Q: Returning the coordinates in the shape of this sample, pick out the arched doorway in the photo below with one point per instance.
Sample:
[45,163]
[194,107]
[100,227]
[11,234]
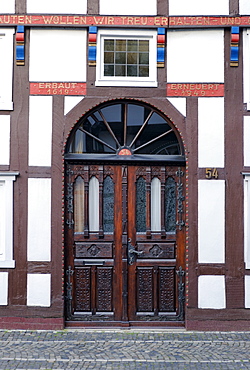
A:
[124,221]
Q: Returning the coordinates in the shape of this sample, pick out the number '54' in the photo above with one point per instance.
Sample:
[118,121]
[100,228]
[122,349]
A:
[212,173]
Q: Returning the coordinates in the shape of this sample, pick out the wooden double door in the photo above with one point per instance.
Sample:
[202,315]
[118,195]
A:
[125,244]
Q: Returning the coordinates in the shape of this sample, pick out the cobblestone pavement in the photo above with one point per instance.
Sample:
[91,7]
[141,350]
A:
[124,349]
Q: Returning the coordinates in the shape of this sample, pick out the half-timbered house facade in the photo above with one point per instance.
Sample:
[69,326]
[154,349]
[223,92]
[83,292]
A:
[125,164]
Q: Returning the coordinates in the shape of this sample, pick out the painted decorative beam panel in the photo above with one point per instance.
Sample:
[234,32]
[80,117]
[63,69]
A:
[57,88]
[195,89]
[128,21]
[161,39]
[92,45]
[234,54]
[20,46]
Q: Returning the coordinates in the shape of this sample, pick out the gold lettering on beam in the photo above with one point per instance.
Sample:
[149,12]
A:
[195,89]
[99,20]
[111,20]
[47,20]
[144,21]
[57,88]
[152,21]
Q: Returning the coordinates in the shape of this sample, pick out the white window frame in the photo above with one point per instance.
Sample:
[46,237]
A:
[247,219]
[6,219]
[150,35]
[6,68]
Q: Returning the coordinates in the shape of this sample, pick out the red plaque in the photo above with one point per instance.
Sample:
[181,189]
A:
[57,88]
[69,20]
[195,89]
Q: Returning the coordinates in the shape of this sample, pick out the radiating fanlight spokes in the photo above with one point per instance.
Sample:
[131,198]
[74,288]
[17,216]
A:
[151,141]
[109,128]
[96,138]
[141,128]
[125,125]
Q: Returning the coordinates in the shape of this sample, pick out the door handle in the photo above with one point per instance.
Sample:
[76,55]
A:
[132,252]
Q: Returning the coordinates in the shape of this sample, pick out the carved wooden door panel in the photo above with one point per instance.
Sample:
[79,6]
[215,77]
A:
[92,243]
[124,243]
[156,244]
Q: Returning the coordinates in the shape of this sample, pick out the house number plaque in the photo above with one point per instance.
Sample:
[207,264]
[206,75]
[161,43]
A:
[212,173]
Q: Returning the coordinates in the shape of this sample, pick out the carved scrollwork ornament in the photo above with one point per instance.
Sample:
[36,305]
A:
[68,296]
[181,296]
[180,198]
[70,197]
[70,202]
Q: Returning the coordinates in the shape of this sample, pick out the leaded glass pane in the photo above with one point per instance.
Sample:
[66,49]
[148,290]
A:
[144,45]
[79,205]
[109,45]
[108,57]
[143,58]
[120,58]
[120,45]
[120,70]
[132,58]
[108,70]
[108,205]
[170,205]
[141,205]
[132,45]
[120,55]
[132,71]
[143,71]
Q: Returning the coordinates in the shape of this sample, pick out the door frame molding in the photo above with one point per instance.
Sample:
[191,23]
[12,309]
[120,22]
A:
[95,158]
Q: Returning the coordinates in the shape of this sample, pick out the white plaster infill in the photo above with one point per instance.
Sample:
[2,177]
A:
[6,219]
[246,176]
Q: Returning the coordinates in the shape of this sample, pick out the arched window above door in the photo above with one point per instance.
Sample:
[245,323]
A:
[125,130]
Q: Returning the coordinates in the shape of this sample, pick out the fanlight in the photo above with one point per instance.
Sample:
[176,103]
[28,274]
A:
[124,129]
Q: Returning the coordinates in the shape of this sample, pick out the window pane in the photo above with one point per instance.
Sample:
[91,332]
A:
[120,58]
[132,45]
[120,70]
[132,58]
[144,58]
[93,204]
[155,204]
[144,45]
[109,70]
[108,57]
[78,143]
[108,205]
[79,205]
[126,54]
[109,45]
[120,45]
[143,71]
[132,71]
[170,205]
[141,205]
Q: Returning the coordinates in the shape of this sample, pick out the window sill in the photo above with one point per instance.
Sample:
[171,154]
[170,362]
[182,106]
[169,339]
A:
[119,83]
